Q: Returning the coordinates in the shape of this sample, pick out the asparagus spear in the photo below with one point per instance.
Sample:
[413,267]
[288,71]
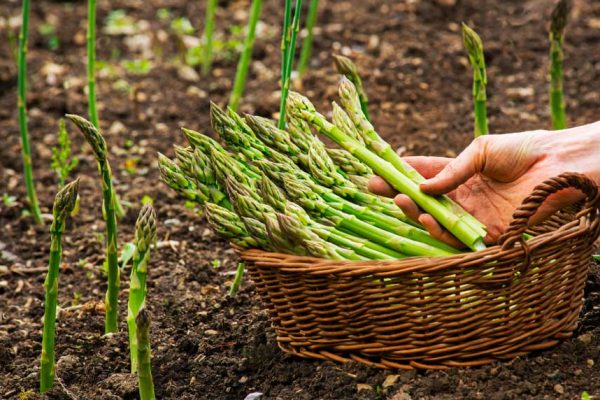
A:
[237,281]
[313,203]
[557,33]
[145,235]
[22,108]
[315,245]
[348,163]
[63,205]
[382,149]
[273,196]
[474,47]
[146,385]
[228,224]
[308,40]
[172,175]
[209,28]
[324,173]
[347,68]
[301,106]
[206,145]
[98,145]
[197,167]
[288,49]
[244,63]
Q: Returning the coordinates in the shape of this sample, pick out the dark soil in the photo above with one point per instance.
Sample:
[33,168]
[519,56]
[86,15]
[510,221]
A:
[207,345]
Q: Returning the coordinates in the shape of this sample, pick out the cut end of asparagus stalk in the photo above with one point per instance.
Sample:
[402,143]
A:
[92,135]
[559,19]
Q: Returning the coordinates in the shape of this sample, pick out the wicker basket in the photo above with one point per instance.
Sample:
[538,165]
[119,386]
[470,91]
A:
[464,310]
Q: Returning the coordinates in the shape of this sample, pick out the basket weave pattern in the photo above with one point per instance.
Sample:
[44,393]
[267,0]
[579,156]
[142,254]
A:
[463,310]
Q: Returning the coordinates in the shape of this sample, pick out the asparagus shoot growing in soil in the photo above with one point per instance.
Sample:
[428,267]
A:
[98,145]
[145,236]
[209,28]
[307,43]
[474,47]
[244,63]
[347,68]
[144,356]
[288,50]
[91,62]
[34,206]
[63,205]
[237,281]
[557,35]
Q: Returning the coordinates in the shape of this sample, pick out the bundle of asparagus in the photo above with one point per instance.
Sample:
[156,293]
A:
[284,190]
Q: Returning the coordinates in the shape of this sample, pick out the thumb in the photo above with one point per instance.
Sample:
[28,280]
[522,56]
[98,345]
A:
[459,170]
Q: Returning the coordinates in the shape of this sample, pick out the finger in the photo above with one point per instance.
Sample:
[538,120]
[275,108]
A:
[409,207]
[438,232]
[459,170]
[379,186]
[427,166]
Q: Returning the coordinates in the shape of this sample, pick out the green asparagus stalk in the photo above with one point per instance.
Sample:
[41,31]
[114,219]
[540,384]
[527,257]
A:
[300,133]
[314,244]
[146,385]
[246,144]
[288,47]
[342,120]
[258,231]
[273,196]
[196,166]
[22,106]
[91,62]
[347,68]
[301,107]
[228,224]
[244,63]
[325,173]
[237,281]
[63,205]
[310,201]
[145,235]
[474,47]
[349,164]
[382,149]
[98,145]
[557,33]
[172,175]
[306,51]
[209,28]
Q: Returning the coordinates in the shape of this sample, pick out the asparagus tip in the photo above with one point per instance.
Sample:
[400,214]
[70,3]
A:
[559,18]
[344,66]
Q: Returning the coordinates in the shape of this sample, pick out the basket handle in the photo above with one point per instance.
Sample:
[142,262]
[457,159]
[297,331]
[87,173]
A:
[529,206]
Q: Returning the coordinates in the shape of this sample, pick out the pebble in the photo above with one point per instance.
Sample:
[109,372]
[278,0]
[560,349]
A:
[188,73]
[558,388]
[363,386]
[390,380]
[585,338]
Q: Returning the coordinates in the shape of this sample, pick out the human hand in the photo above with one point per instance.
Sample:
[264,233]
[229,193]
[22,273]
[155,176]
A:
[493,175]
